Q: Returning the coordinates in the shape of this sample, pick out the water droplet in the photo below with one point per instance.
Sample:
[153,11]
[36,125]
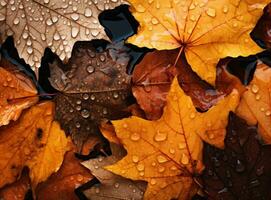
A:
[96,166]
[90,69]
[46,1]
[71,110]
[85,96]
[153,181]
[56,36]
[254,88]
[75,16]
[239,166]
[16,21]
[154,21]
[49,22]
[78,108]
[135,136]
[161,159]
[192,6]
[268,113]
[54,19]
[116,185]
[258,97]
[135,159]
[225,9]
[192,115]
[160,136]
[184,159]
[105,112]
[140,167]
[182,145]
[29,50]
[79,178]
[192,18]
[85,113]
[102,58]
[88,12]
[94,32]
[173,168]
[262,109]
[97,190]
[172,151]
[92,97]
[75,31]
[141,173]
[161,169]
[140,8]
[153,164]
[77,125]
[115,95]
[211,12]
[2,17]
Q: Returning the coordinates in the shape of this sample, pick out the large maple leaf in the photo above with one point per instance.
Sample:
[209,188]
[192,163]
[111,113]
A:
[35,141]
[38,24]
[93,86]
[221,26]
[170,148]
[255,104]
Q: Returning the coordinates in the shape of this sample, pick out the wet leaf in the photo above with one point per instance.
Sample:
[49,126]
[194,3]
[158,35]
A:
[16,190]
[154,74]
[222,27]
[167,153]
[255,104]
[242,169]
[93,86]
[36,25]
[261,32]
[17,92]
[35,141]
[112,186]
[62,184]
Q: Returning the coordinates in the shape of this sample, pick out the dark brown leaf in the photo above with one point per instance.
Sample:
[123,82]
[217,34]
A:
[93,86]
[240,171]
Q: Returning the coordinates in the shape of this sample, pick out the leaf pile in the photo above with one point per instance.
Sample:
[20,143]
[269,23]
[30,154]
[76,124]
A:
[187,117]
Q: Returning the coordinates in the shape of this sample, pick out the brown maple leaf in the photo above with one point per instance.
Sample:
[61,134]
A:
[93,86]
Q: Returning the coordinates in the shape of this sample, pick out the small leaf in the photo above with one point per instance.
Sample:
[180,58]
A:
[112,186]
[242,169]
[255,104]
[93,86]
[35,141]
[167,153]
[36,25]
[221,28]
[17,92]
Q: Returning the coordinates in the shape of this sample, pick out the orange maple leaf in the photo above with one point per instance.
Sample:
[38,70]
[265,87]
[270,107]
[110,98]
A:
[205,30]
[255,104]
[167,153]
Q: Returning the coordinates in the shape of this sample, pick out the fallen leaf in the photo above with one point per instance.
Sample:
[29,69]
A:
[62,184]
[92,87]
[261,32]
[16,190]
[221,27]
[17,92]
[109,133]
[242,169]
[36,25]
[167,153]
[112,186]
[255,104]
[35,141]
[153,76]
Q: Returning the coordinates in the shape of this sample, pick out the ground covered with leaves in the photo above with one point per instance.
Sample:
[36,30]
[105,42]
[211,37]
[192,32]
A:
[136,99]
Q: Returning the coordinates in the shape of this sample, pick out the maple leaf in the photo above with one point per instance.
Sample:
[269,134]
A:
[35,141]
[222,27]
[153,76]
[17,92]
[93,86]
[242,169]
[170,148]
[16,190]
[62,184]
[36,25]
[112,186]
[255,104]
[261,32]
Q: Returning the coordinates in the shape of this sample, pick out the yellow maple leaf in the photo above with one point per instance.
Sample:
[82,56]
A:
[35,141]
[255,104]
[17,92]
[206,30]
[167,153]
